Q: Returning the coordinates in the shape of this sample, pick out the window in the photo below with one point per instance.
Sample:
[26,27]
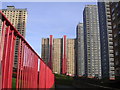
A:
[116,53]
[113,18]
[115,35]
[116,5]
[119,32]
[116,44]
[114,26]
[113,9]
[113,14]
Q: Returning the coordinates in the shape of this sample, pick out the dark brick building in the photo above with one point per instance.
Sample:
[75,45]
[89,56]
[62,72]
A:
[115,13]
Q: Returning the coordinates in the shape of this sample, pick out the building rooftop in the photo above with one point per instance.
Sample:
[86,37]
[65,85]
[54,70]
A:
[13,8]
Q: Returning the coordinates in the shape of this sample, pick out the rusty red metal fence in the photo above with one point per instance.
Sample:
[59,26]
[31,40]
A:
[29,75]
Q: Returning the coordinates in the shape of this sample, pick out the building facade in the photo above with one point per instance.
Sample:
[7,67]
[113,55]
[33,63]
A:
[71,57]
[51,53]
[56,56]
[45,49]
[59,54]
[115,14]
[18,18]
[106,37]
[80,50]
[92,42]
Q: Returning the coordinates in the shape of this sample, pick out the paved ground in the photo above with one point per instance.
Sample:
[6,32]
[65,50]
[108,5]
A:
[64,87]
[76,86]
[89,85]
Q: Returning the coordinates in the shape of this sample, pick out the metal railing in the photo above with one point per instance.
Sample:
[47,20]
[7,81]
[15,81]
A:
[28,74]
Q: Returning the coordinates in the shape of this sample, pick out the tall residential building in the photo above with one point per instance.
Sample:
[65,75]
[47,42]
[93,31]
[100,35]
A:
[92,42]
[56,59]
[59,54]
[115,13]
[45,50]
[80,50]
[51,53]
[18,18]
[71,57]
[106,37]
